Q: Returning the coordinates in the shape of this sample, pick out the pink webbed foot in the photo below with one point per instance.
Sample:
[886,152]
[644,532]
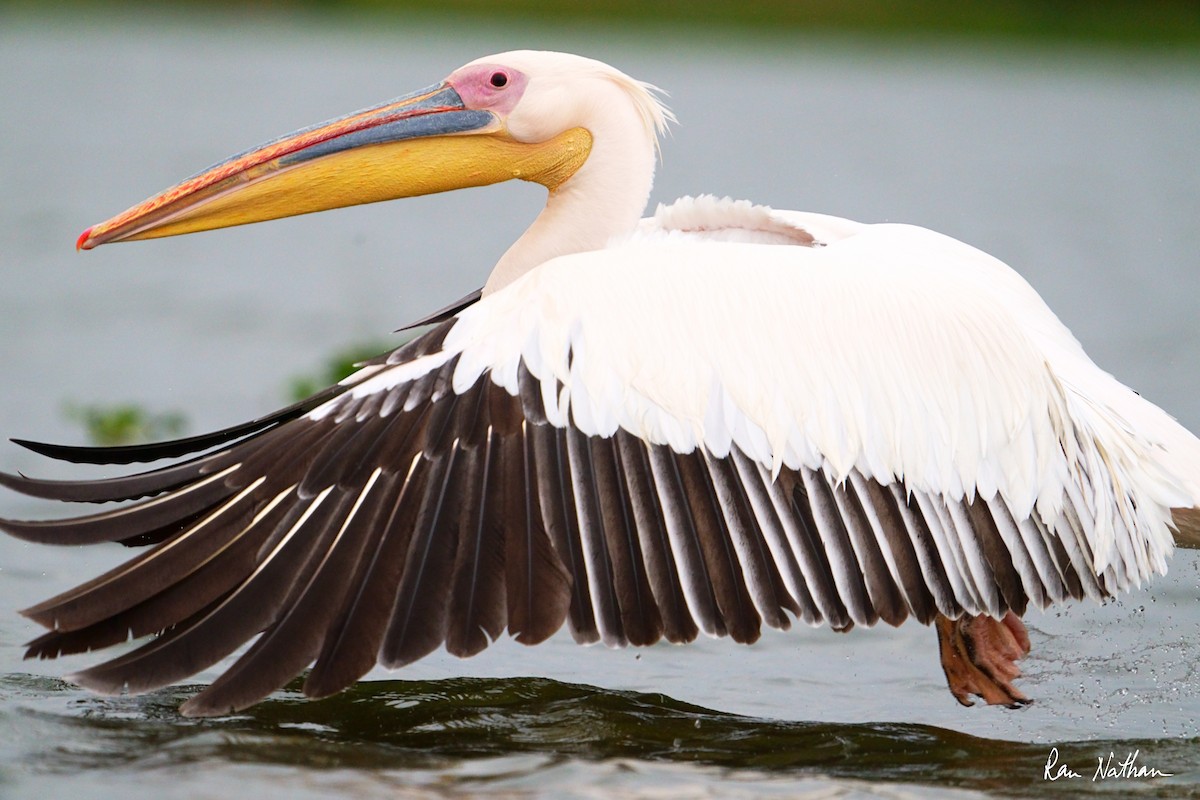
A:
[979,657]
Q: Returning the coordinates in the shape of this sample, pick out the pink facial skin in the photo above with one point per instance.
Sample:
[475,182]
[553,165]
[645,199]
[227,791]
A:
[489,87]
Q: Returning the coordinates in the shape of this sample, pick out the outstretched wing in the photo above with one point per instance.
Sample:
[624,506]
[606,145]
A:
[515,467]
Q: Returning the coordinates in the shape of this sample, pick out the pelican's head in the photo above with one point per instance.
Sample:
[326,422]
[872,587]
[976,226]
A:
[531,115]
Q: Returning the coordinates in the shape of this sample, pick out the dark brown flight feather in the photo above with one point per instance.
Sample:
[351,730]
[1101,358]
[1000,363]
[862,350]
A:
[376,522]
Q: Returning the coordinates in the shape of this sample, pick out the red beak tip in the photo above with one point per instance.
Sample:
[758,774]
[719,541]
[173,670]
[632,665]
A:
[82,242]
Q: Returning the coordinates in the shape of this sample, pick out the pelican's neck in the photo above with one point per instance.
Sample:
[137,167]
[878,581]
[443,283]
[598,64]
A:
[602,201]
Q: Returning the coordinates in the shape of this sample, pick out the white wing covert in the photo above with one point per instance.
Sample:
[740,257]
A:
[647,441]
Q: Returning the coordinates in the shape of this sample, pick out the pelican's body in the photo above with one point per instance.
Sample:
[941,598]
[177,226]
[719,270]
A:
[703,420]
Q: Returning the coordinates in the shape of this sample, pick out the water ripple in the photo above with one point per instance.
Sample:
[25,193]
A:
[482,732]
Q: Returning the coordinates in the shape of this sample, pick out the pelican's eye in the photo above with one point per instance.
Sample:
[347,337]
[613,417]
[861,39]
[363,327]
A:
[499,80]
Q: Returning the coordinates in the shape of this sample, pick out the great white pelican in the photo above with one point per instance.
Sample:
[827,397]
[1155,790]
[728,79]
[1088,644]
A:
[706,420]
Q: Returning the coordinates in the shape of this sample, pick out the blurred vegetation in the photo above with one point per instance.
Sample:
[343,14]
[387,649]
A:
[125,423]
[1116,21]
[336,367]
[1130,22]
[130,423]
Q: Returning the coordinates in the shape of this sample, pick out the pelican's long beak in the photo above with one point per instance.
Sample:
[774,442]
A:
[423,143]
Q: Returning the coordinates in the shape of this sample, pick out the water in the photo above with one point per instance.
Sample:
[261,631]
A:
[1079,168]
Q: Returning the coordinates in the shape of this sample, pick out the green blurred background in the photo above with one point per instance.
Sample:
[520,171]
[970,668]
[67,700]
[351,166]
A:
[1118,22]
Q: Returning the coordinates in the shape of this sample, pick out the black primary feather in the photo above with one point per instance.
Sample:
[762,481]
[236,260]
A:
[380,520]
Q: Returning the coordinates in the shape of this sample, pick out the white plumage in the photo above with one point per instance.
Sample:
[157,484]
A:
[705,420]
[887,349]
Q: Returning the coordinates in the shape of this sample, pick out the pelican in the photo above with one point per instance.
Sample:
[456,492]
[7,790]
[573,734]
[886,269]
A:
[715,418]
